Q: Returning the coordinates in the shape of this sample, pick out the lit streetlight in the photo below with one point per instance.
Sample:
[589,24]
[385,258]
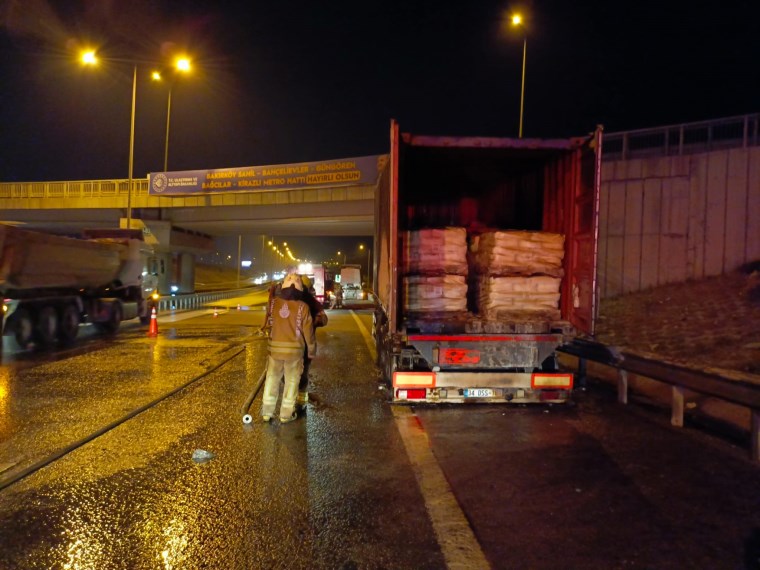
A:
[181,65]
[518,21]
[90,58]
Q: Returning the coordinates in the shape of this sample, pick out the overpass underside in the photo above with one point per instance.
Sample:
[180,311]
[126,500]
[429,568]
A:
[69,207]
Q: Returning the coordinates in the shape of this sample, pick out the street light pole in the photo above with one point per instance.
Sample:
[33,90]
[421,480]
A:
[369,268]
[166,146]
[522,89]
[131,148]
[240,246]
[518,21]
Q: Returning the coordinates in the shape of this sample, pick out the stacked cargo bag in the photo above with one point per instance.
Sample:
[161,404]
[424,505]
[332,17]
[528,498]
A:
[435,270]
[517,274]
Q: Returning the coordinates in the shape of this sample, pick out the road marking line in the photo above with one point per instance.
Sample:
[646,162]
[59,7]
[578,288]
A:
[458,544]
[369,341]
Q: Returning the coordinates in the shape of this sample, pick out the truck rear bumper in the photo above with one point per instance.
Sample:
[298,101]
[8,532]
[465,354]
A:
[481,387]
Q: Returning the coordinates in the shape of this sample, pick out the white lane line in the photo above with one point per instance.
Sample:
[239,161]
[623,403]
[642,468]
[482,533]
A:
[458,544]
[368,340]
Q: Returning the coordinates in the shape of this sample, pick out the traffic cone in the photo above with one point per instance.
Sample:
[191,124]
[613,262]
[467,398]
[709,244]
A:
[153,330]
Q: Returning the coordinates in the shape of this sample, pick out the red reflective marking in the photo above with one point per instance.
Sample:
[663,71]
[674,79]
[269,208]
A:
[463,338]
[459,356]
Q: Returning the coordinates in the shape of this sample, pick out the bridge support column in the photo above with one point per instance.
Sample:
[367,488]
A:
[186,273]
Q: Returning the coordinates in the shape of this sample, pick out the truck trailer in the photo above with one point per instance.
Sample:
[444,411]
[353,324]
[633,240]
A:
[51,284]
[486,265]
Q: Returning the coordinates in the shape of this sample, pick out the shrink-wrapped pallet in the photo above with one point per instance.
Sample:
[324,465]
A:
[518,253]
[435,252]
[444,293]
[517,297]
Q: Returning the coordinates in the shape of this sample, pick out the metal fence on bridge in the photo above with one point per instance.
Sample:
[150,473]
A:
[688,138]
[74,189]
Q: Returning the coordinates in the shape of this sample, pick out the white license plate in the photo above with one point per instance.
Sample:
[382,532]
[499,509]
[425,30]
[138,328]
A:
[478,393]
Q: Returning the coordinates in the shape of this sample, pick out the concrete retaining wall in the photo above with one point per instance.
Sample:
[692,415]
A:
[674,218]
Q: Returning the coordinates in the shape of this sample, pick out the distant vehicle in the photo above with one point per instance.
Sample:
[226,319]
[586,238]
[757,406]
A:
[351,282]
[320,278]
[469,354]
[51,284]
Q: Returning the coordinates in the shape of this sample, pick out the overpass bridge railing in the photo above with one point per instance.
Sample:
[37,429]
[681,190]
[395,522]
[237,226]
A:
[74,189]
[675,140]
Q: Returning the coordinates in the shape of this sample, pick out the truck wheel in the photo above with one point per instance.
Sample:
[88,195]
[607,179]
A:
[23,327]
[69,325]
[114,320]
[389,367]
[47,326]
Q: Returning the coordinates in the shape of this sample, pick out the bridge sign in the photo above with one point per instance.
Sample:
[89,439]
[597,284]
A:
[326,173]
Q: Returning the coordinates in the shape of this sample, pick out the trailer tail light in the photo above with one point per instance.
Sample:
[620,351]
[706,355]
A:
[414,379]
[411,394]
[544,381]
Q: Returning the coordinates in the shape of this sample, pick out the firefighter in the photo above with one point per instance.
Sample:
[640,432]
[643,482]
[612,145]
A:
[291,341]
[318,317]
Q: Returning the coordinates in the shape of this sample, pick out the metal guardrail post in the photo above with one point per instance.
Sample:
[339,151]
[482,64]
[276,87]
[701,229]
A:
[676,416]
[622,386]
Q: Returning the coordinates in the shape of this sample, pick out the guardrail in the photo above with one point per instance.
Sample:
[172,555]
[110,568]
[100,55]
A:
[676,140]
[189,301]
[680,378]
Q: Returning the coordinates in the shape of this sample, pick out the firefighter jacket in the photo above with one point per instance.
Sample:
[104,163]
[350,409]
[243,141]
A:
[292,330]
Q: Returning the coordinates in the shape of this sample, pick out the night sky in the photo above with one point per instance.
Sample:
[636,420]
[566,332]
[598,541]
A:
[292,81]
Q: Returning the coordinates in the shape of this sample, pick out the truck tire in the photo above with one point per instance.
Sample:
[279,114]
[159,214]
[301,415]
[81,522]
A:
[114,320]
[46,329]
[23,328]
[69,325]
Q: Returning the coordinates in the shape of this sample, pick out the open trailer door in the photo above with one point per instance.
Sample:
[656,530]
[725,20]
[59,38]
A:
[582,234]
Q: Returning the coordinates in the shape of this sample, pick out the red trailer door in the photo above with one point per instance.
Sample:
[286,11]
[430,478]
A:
[581,233]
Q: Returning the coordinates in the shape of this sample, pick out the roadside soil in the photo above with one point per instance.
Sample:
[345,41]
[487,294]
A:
[711,323]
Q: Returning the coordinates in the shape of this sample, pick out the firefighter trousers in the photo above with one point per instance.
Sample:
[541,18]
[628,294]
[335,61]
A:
[292,370]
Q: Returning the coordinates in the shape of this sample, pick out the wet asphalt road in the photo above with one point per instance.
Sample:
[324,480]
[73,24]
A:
[352,484]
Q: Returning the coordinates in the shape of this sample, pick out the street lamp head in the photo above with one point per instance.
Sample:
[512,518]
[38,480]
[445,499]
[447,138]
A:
[517,20]
[89,58]
[182,64]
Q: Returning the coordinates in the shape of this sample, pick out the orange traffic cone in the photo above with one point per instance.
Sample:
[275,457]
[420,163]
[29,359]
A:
[153,330]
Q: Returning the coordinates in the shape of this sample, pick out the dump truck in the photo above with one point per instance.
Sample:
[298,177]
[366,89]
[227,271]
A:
[50,284]
[445,332]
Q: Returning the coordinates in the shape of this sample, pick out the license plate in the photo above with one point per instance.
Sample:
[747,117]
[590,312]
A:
[478,393]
